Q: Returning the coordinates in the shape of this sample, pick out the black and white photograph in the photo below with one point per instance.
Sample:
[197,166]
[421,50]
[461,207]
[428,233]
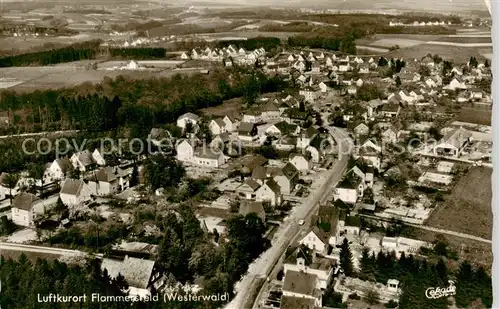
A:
[216,154]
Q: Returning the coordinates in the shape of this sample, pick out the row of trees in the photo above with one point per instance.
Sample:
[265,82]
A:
[416,275]
[138,52]
[344,44]
[74,52]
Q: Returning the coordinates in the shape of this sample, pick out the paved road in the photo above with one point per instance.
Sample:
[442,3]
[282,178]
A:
[322,187]
[39,249]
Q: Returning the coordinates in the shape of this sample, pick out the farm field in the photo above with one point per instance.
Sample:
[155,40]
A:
[33,78]
[455,53]
[467,208]
[465,39]
[473,115]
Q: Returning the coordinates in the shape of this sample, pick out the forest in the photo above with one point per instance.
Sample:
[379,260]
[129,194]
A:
[138,53]
[74,52]
[123,105]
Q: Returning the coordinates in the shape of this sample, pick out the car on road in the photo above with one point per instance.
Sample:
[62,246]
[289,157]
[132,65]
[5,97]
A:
[301,222]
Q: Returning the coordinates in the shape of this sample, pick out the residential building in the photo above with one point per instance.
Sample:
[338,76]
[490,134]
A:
[248,189]
[83,161]
[231,123]
[283,128]
[209,158]
[453,143]
[27,208]
[108,180]
[248,207]
[349,190]
[185,151]
[305,137]
[217,126]
[302,285]
[270,192]
[186,118]
[98,157]
[361,129]
[321,267]
[303,163]
[318,240]
[247,132]
[141,275]
[58,169]
[74,192]
[286,177]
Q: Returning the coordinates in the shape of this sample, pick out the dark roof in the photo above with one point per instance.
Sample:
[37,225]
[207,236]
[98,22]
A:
[329,214]
[289,171]
[252,183]
[290,302]
[246,127]
[348,183]
[300,282]
[64,164]
[158,133]
[24,201]
[393,108]
[247,207]
[285,127]
[352,221]
[269,106]
[72,186]
[273,186]
[259,172]
[310,132]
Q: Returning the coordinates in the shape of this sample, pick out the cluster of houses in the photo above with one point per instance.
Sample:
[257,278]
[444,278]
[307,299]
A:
[228,55]
[422,23]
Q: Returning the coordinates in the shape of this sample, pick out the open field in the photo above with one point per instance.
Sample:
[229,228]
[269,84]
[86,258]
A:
[33,78]
[231,108]
[466,40]
[467,208]
[473,115]
[32,256]
[455,53]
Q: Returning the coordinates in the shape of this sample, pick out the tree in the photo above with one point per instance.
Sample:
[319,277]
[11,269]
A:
[398,81]
[216,235]
[367,265]
[486,63]
[246,234]
[134,177]
[163,172]
[382,62]
[10,181]
[6,226]
[346,258]
[372,297]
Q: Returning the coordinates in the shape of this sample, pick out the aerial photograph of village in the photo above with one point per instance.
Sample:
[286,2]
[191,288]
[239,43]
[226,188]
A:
[262,154]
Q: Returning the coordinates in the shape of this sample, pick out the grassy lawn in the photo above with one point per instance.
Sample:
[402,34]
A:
[455,53]
[231,108]
[467,208]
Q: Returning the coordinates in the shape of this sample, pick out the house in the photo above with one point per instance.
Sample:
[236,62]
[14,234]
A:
[283,128]
[302,163]
[191,118]
[318,240]
[74,192]
[305,137]
[184,56]
[431,82]
[389,136]
[270,111]
[286,177]
[344,66]
[208,158]
[406,97]
[302,285]
[98,158]
[217,126]
[456,83]
[370,152]
[141,275]
[352,225]
[108,180]
[349,190]
[248,189]
[185,150]
[361,129]
[248,207]
[364,68]
[366,175]
[58,169]
[159,136]
[132,65]
[321,145]
[270,192]
[83,161]
[328,220]
[390,110]
[26,208]
[247,132]
[321,267]
[231,123]
[453,143]
[310,93]
[252,116]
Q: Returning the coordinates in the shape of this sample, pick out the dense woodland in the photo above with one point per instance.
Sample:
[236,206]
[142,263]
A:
[138,53]
[121,107]
[75,52]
